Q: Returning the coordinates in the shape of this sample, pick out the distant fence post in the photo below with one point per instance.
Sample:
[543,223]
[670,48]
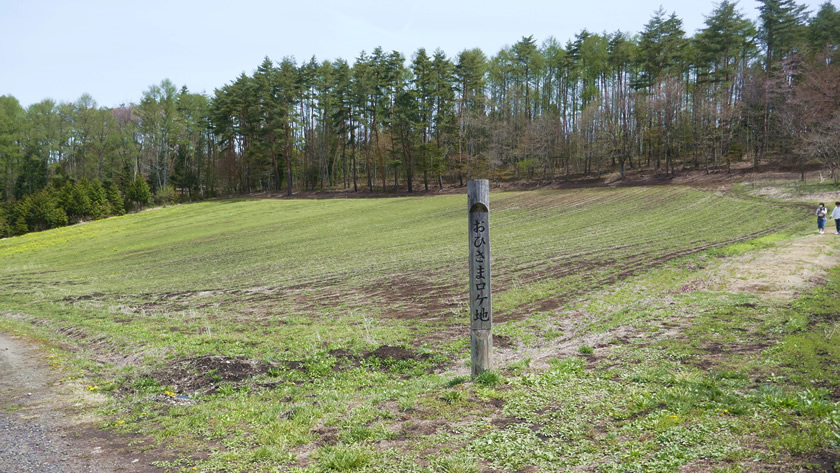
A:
[481,314]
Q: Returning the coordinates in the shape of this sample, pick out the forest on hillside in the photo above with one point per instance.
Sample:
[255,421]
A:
[736,90]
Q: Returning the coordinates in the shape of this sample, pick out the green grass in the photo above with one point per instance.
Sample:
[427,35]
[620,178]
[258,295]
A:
[306,290]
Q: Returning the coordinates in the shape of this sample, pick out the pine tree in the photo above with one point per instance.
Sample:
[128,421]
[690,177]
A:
[41,143]
[342,116]
[723,47]
[470,74]
[824,30]
[444,119]
[139,194]
[423,86]
[74,199]
[288,90]
[115,199]
[780,33]
[781,29]
[39,211]
[99,205]
[11,141]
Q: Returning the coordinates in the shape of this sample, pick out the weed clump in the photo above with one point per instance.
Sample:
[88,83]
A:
[343,458]
[454,397]
[455,464]
[489,379]
[586,350]
[456,381]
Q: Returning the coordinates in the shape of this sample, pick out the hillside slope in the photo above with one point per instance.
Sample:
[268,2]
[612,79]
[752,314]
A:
[642,329]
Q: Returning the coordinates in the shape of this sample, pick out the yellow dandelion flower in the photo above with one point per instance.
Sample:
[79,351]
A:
[121,422]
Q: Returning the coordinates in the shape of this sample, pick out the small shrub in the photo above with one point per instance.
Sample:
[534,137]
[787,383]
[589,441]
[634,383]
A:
[166,196]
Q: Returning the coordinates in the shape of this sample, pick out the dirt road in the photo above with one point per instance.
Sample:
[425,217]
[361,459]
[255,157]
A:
[43,425]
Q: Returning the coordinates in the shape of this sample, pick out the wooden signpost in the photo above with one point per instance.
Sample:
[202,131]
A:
[481,314]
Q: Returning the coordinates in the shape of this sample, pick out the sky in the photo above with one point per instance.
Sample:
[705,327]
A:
[115,49]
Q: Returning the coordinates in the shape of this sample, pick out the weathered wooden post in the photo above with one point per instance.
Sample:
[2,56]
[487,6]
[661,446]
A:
[481,314]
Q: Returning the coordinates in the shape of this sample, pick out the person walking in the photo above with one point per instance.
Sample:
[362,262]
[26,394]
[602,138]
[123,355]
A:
[835,214]
[821,213]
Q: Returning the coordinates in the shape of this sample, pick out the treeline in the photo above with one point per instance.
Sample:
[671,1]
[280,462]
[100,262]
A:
[661,100]
[63,202]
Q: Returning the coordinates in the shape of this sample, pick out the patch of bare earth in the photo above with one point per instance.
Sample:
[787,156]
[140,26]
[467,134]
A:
[783,271]
[204,375]
[820,462]
[777,192]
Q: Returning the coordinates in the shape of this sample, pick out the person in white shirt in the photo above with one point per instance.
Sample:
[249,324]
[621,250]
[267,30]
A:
[835,214]
[821,212]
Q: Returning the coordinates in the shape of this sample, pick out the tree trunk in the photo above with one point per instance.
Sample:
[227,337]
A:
[288,152]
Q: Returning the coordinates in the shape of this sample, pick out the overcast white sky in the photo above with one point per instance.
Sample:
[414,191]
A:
[115,49]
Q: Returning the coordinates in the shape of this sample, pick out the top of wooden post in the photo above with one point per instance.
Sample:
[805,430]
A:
[478,195]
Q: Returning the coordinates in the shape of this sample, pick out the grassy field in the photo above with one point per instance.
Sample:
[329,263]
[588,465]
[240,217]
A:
[332,335]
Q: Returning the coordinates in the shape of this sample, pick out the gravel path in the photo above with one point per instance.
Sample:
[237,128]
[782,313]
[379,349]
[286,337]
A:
[29,446]
[42,428]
